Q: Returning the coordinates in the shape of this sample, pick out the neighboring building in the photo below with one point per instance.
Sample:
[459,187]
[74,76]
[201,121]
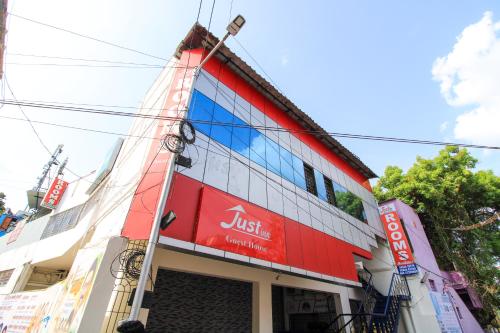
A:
[452,297]
[272,225]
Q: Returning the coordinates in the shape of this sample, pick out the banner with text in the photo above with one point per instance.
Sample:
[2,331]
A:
[397,239]
[234,225]
[54,194]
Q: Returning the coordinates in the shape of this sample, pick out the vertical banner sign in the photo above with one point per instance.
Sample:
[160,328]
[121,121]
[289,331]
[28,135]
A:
[141,213]
[54,194]
[398,241]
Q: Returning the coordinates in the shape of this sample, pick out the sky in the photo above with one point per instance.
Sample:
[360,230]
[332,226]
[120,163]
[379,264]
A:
[423,70]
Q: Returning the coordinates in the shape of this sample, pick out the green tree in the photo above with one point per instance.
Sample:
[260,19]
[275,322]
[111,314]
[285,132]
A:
[447,193]
[2,202]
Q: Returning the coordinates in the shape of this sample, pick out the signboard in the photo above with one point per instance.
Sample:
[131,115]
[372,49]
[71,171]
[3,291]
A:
[14,234]
[57,309]
[107,166]
[234,225]
[408,269]
[141,213]
[397,239]
[54,194]
[445,312]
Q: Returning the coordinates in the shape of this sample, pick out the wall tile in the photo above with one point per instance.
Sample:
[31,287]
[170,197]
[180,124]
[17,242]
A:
[216,170]
[258,187]
[206,84]
[239,175]
[225,97]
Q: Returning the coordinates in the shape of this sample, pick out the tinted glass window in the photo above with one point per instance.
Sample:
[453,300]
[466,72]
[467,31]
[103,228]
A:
[310,182]
[240,141]
[286,164]
[320,185]
[222,133]
[201,109]
[273,156]
[349,202]
[330,194]
[257,147]
[298,172]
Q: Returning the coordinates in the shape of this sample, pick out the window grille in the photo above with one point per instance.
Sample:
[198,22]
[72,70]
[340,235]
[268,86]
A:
[330,193]
[5,277]
[310,182]
[62,221]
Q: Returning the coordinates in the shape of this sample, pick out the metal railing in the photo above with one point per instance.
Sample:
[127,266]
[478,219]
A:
[368,319]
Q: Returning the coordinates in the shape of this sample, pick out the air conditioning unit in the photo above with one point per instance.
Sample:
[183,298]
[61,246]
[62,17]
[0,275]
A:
[359,265]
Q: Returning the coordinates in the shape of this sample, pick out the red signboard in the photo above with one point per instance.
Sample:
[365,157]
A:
[141,213]
[54,194]
[233,225]
[396,236]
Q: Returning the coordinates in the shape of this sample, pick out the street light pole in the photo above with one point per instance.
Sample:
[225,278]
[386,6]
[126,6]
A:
[132,325]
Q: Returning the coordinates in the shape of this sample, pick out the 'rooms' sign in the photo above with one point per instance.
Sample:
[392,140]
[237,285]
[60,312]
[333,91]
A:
[396,236]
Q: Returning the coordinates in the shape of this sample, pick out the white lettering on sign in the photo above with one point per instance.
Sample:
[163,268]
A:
[395,234]
[246,226]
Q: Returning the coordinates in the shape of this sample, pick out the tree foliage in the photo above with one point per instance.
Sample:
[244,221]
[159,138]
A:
[447,193]
[2,202]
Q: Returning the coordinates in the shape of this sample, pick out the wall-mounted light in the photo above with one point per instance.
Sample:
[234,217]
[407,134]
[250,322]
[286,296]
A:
[167,219]
[425,277]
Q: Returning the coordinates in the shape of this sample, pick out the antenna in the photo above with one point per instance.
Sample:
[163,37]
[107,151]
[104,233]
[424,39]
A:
[52,161]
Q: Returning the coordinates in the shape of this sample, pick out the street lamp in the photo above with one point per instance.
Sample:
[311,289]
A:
[132,325]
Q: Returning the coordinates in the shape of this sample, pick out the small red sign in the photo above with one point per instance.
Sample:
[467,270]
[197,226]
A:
[396,236]
[54,194]
[230,224]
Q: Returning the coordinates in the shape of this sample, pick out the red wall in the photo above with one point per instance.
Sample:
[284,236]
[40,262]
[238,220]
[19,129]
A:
[306,247]
[243,89]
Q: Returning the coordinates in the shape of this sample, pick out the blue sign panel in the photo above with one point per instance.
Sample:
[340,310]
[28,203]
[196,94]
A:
[408,269]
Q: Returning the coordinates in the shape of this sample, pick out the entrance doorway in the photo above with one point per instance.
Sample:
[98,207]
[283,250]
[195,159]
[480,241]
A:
[189,303]
[303,311]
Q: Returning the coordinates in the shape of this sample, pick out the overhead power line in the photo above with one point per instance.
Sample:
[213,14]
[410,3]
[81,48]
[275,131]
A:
[82,65]
[33,127]
[80,59]
[263,128]
[86,36]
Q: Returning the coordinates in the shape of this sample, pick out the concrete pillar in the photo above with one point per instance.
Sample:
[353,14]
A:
[262,307]
[343,306]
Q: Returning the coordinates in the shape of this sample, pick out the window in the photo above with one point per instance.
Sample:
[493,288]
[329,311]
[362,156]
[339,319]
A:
[320,185]
[330,194]
[310,182]
[240,139]
[432,284]
[273,156]
[286,164]
[257,147]
[62,221]
[349,202]
[5,276]
[222,133]
[201,109]
[298,172]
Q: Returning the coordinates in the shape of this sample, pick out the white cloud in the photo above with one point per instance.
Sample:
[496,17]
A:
[469,76]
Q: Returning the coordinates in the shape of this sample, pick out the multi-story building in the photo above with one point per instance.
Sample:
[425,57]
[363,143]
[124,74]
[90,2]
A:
[274,219]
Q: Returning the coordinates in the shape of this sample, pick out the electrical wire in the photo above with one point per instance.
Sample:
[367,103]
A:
[85,36]
[80,59]
[34,129]
[264,128]
[81,65]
